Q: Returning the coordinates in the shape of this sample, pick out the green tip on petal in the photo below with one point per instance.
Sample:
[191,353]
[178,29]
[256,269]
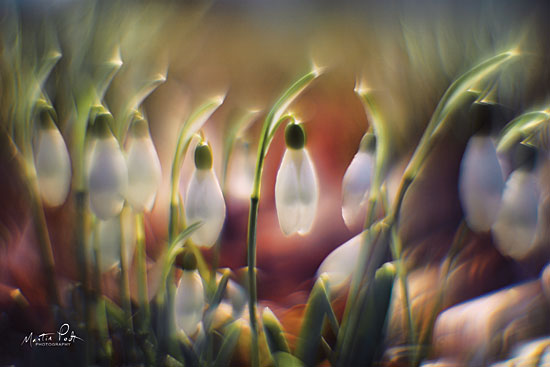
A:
[47,116]
[101,125]
[481,115]
[139,128]
[189,262]
[295,136]
[525,157]
[203,156]
[368,143]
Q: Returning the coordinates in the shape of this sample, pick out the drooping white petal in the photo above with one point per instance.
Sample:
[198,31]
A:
[516,224]
[189,302]
[296,192]
[286,194]
[205,203]
[341,262]
[144,174]
[107,178]
[53,167]
[355,187]
[481,183]
[308,189]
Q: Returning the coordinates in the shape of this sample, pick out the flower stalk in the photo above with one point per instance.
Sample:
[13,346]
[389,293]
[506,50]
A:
[273,120]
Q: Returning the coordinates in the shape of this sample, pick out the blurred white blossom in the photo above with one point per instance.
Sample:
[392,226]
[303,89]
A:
[481,183]
[516,225]
[144,172]
[341,262]
[357,183]
[53,165]
[204,200]
[189,302]
[107,175]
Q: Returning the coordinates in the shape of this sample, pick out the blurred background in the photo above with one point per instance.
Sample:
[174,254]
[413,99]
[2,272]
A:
[407,52]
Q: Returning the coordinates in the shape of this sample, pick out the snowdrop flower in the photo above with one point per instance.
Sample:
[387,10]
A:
[296,186]
[205,201]
[189,300]
[357,181]
[52,162]
[107,172]
[144,174]
[341,262]
[480,183]
[516,224]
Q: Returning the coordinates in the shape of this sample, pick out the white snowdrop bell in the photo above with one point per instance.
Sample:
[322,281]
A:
[144,172]
[107,172]
[204,199]
[357,182]
[189,300]
[52,162]
[516,225]
[296,186]
[481,183]
[341,262]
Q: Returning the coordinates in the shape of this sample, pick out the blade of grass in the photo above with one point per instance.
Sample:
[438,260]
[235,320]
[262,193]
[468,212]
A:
[521,127]
[361,350]
[317,308]
[230,339]
[274,333]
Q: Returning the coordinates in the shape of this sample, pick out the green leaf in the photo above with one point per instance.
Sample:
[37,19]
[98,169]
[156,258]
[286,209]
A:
[373,301]
[220,290]
[115,314]
[451,100]
[279,108]
[231,337]
[274,333]
[380,127]
[284,359]
[169,256]
[521,127]
[318,307]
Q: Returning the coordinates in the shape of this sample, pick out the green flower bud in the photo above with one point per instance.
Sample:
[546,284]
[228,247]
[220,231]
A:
[189,261]
[525,157]
[47,118]
[368,143]
[101,125]
[203,156]
[295,136]
[139,128]
[481,117]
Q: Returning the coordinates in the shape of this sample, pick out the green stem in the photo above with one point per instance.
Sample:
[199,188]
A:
[446,269]
[142,270]
[43,238]
[397,254]
[273,120]
[124,285]
[100,309]
[251,260]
